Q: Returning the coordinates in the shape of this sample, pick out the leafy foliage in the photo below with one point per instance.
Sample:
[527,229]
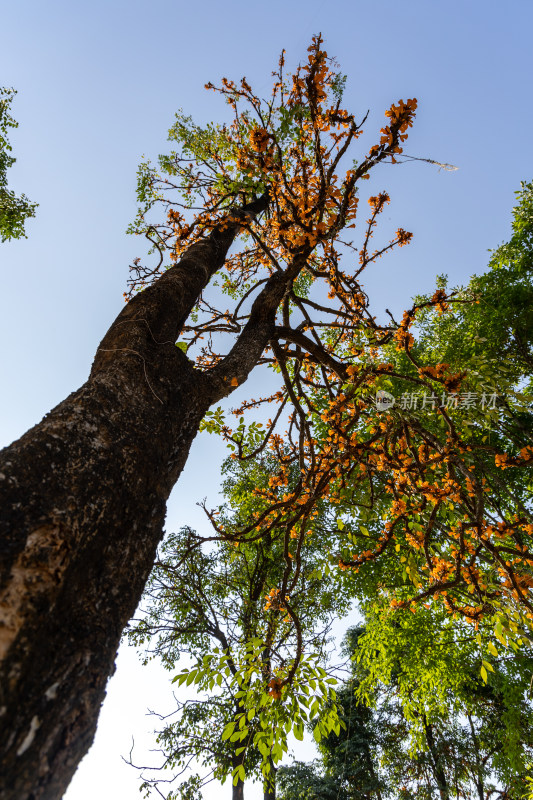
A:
[14,211]
[257,657]
[460,520]
[430,726]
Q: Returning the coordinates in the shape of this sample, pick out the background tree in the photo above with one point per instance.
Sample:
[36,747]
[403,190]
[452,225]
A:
[348,766]
[218,604]
[430,725]
[468,733]
[14,211]
[83,493]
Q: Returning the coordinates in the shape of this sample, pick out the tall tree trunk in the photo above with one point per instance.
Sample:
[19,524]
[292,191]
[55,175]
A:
[436,762]
[237,791]
[269,785]
[82,506]
[478,779]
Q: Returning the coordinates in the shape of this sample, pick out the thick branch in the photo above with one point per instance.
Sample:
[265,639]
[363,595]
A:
[256,334]
[319,353]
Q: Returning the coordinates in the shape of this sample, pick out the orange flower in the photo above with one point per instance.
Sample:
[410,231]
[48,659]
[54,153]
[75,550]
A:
[403,237]
[259,139]
[274,688]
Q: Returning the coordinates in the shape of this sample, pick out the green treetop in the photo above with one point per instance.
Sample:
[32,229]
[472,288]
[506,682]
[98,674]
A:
[14,211]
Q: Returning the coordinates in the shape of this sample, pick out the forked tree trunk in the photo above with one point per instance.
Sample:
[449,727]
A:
[82,506]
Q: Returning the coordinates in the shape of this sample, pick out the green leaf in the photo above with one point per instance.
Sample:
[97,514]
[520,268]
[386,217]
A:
[228,730]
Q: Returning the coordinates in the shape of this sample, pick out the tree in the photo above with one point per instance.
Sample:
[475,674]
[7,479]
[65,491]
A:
[419,721]
[14,211]
[219,605]
[459,731]
[348,767]
[83,492]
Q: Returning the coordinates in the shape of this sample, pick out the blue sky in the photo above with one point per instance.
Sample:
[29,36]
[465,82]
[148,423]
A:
[98,87]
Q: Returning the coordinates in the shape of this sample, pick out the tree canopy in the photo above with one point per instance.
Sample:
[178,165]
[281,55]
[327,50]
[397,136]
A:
[430,726]
[219,606]
[420,666]
[465,540]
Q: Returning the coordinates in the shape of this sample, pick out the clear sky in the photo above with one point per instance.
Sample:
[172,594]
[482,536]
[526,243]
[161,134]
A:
[98,87]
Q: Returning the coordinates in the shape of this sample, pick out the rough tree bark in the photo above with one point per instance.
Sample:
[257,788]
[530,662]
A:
[83,497]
